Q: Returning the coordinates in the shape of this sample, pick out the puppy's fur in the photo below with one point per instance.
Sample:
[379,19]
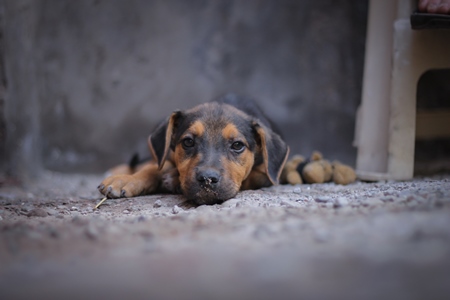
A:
[207,153]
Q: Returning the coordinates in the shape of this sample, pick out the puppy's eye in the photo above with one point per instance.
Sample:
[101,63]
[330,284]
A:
[238,147]
[188,143]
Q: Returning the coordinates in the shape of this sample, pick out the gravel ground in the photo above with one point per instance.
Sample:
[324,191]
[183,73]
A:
[384,240]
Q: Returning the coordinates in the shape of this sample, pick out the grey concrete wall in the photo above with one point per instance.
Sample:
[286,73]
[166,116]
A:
[2,97]
[22,155]
[88,79]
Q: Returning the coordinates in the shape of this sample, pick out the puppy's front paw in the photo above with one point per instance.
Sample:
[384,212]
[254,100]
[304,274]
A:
[119,186]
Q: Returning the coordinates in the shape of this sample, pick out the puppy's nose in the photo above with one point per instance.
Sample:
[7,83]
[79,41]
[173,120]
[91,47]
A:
[208,176]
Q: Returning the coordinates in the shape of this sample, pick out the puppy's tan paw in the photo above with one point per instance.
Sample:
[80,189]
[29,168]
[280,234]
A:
[119,186]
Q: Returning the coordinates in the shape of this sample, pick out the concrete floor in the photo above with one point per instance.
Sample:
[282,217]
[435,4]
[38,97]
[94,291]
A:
[385,240]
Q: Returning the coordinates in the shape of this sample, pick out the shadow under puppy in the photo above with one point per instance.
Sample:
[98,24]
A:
[207,153]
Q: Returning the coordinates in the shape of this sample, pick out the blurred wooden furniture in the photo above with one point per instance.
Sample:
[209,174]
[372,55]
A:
[396,57]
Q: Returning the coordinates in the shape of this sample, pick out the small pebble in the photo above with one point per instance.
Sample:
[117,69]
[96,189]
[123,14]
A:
[231,203]
[158,203]
[74,208]
[27,208]
[176,209]
[297,190]
[126,211]
[387,199]
[38,212]
[323,199]
[341,201]
[288,203]
[52,212]
[88,210]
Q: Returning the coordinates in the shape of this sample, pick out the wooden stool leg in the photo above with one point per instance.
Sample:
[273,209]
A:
[372,124]
[414,53]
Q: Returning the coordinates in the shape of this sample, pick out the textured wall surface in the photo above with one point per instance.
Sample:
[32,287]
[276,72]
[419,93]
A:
[88,79]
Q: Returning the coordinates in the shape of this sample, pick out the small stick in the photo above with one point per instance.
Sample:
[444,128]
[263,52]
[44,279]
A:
[100,203]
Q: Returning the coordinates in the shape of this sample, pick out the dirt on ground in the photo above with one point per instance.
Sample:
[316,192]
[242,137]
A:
[383,240]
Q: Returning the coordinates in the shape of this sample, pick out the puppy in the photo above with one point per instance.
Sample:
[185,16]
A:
[207,153]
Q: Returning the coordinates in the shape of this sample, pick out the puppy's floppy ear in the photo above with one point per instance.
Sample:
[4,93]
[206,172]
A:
[160,141]
[274,151]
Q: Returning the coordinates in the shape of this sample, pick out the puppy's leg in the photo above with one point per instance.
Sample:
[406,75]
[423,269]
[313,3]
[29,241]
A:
[145,181]
[123,169]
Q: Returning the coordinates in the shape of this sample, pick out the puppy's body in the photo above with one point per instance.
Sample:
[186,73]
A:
[207,153]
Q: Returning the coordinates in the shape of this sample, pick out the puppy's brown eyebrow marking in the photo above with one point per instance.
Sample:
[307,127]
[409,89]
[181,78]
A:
[197,128]
[230,132]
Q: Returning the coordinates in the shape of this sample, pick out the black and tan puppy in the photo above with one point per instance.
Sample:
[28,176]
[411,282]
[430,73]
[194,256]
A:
[207,153]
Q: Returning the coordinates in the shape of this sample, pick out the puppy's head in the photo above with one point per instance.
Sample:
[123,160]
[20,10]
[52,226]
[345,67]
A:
[215,146]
